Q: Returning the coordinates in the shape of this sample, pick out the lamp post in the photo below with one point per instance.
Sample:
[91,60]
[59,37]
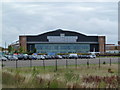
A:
[5,47]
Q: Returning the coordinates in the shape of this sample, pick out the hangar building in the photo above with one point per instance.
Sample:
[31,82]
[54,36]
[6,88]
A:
[62,41]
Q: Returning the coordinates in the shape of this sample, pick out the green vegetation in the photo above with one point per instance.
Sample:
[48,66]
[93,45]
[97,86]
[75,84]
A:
[10,49]
[70,77]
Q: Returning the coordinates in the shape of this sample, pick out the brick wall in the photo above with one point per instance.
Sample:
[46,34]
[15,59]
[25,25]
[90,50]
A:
[102,41]
[22,42]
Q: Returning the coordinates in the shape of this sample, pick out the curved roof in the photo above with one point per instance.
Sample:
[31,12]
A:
[58,31]
[43,37]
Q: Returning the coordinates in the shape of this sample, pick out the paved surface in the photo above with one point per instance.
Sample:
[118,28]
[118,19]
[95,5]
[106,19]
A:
[28,63]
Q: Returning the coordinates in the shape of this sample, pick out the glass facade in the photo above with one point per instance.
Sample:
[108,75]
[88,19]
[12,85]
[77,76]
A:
[62,48]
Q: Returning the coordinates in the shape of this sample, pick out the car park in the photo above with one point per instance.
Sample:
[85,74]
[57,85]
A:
[41,57]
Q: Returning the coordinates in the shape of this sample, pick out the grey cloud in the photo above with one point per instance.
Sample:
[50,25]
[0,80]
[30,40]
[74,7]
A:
[36,18]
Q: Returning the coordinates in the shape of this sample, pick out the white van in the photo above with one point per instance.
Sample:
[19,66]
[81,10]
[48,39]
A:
[73,56]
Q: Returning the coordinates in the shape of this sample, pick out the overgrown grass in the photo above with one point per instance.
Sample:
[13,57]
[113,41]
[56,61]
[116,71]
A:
[70,77]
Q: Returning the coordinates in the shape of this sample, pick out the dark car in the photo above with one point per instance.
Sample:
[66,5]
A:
[58,57]
[22,57]
[52,57]
[65,56]
[84,56]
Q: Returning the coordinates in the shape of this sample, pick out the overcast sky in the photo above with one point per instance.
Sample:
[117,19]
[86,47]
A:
[90,18]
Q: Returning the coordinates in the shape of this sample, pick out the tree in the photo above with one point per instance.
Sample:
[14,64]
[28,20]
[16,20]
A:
[15,51]
[10,49]
[20,50]
[34,51]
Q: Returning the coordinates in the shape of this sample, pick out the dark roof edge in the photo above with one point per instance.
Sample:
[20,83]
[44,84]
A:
[58,30]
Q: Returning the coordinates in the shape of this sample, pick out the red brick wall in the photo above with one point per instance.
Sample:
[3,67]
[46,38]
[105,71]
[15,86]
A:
[22,42]
[102,41]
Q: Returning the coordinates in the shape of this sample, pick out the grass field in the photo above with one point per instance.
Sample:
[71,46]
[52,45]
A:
[70,77]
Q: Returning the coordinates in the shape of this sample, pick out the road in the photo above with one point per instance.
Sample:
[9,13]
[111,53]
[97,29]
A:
[28,63]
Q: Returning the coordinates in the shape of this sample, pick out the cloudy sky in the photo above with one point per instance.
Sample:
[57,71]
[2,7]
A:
[90,18]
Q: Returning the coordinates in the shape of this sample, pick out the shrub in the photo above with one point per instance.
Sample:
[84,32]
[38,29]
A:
[104,62]
[71,76]
[9,79]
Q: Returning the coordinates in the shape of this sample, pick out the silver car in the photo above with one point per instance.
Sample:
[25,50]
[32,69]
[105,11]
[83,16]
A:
[39,57]
[12,57]
[3,58]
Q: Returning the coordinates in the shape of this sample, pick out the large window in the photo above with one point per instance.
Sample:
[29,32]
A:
[62,48]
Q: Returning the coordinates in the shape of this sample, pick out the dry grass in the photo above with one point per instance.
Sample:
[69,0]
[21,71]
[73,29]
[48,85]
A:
[37,77]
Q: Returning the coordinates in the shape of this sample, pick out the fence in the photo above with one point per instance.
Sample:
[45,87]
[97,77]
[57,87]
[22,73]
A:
[59,62]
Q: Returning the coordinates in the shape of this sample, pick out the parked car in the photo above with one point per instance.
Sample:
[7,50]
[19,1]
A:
[80,56]
[86,56]
[25,56]
[65,56]
[58,57]
[92,56]
[3,58]
[39,57]
[32,57]
[83,56]
[6,56]
[73,56]
[48,57]
[52,57]
[22,56]
[12,57]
